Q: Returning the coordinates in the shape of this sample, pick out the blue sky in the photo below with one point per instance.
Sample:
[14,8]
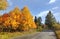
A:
[36,7]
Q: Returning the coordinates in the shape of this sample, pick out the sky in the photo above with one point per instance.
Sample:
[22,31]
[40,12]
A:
[36,7]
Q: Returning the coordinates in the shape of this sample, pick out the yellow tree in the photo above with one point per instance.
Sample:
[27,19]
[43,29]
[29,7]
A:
[3,4]
[19,19]
[15,15]
[29,23]
[6,23]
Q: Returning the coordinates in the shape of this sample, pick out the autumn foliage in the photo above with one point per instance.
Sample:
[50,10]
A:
[17,19]
[3,4]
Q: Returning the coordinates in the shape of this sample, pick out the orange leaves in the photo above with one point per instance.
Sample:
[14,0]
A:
[14,24]
[19,18]
[6,23]
[5,17]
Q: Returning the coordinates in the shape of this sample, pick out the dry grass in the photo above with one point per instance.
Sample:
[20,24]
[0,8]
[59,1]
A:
[7,35]
[58,34]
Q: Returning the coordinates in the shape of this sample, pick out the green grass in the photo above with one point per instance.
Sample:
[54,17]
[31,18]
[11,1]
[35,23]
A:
[7,35]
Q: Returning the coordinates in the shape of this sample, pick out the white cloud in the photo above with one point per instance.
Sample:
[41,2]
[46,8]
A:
[52,1]
[57,16]
[54,8]
[43,13]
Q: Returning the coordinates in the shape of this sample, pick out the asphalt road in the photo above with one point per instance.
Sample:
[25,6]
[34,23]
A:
[39,35]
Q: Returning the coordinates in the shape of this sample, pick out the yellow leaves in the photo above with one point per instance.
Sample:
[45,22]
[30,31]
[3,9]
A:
[14,24]
[3,4]
[6,23]
[17,10]
[28,17]
[26,28]
[34,25]
[17,18]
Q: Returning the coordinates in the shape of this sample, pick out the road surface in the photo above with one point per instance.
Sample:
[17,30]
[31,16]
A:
[39,35]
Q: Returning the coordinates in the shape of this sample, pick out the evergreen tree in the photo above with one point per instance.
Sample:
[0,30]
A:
[35,20]
[39,21]
[50,20]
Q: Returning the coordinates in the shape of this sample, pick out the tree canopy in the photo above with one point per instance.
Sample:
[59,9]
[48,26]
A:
[18,19]
[3,4]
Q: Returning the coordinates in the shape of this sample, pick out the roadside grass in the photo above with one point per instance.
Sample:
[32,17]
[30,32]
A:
[8,35]
[58,34]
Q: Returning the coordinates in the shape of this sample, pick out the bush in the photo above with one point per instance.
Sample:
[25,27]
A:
[56,26]
[39,28]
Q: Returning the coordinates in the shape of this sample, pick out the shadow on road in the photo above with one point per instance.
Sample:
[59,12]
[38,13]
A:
[47,30]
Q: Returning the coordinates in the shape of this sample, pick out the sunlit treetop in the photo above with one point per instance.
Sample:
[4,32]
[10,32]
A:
[3,4]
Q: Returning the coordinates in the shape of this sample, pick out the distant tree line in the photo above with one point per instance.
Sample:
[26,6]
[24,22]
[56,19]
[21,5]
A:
[50,21]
